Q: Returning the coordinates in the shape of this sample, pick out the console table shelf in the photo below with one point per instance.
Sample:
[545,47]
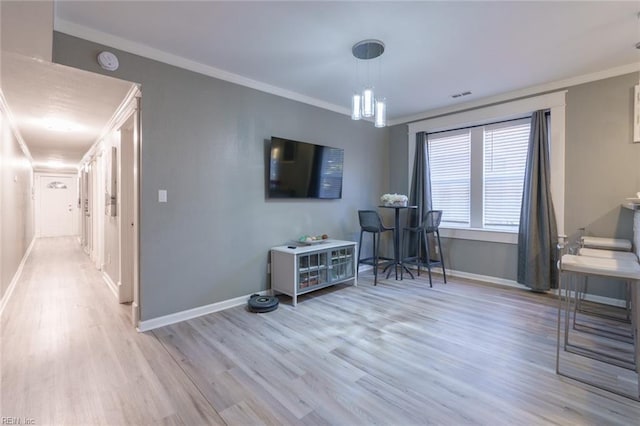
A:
[300,270]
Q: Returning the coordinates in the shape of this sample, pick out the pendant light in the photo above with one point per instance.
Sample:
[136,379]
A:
[365,104]
[356,106]
[381,113]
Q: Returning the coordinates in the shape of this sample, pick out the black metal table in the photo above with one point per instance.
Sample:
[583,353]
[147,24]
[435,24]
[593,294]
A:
[397,262]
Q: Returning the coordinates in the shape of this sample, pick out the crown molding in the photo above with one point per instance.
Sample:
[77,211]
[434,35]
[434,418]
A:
[4,107]
[521,93]
[122,113]
[143,50]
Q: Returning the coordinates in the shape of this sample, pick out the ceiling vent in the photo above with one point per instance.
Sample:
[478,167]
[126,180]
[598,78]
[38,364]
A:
[459,95]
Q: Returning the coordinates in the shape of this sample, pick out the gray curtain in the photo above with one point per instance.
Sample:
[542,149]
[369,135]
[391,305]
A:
[538,236]
[420,191]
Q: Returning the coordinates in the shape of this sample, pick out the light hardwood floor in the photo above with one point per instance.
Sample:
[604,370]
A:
[400,353]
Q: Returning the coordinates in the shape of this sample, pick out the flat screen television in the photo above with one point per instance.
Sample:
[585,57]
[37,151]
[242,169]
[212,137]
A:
[304,170]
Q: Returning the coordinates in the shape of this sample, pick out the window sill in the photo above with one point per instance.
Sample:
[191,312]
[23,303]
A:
[479,234]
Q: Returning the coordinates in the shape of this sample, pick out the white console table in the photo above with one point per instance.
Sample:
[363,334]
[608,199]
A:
[299,269]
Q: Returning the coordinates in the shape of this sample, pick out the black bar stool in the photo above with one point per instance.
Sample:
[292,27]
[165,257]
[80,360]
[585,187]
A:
[370,221]
[429,225]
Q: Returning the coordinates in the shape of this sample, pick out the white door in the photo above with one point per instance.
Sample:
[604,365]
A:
[57,204]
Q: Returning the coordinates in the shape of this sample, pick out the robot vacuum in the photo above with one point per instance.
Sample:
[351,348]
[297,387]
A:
[261,304]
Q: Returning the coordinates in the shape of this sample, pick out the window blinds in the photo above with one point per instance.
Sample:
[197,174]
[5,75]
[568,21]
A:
[450,164]
[505,156]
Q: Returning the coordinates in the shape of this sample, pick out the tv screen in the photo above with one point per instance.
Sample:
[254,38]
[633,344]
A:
[304,170]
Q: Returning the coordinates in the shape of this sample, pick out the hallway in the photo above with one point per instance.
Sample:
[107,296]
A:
[71,356]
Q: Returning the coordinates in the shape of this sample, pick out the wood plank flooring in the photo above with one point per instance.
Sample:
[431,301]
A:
[71,357]
[399,353]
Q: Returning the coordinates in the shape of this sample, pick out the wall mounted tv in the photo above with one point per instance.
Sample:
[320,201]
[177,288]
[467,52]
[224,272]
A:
[304,170]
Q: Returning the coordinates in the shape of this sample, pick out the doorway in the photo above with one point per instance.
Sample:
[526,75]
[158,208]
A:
[110,199]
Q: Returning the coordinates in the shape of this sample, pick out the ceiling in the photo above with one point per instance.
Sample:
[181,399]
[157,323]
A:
[302,50]
[433,49]
[59,111]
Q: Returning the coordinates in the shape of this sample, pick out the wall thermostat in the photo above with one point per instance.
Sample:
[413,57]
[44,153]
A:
[108,61]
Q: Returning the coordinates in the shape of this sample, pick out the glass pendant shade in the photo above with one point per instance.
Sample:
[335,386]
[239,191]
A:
[364,105]
[356,107]
[367,103]
[381,113]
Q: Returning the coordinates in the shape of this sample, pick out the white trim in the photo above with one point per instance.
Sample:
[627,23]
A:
[508,109]
[602,300]
[135,314]
[485,278]
[14,281]
[557,163]
[188,314]
[482,234]
[364,267]
[126,108]
[636,113]
[4,107]
[514,284]
[522,93]
[149,52]
[112,286]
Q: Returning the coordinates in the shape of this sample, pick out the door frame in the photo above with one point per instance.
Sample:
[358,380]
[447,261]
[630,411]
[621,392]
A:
[129,212]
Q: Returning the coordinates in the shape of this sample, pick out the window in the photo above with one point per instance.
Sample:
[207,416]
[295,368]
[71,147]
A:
[505,157]
[450,166]
[470,115]
[477,174]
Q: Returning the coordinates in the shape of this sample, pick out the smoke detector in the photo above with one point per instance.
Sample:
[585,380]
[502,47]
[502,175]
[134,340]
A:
[108,61]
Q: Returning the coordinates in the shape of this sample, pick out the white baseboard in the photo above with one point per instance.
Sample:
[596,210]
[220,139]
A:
[484,278]
[510,283]
[135,314]
[16,277]
[112,286]
[162,321]
[599,299]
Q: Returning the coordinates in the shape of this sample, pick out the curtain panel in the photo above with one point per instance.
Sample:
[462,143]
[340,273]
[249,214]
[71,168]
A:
[537,236]
[420,191]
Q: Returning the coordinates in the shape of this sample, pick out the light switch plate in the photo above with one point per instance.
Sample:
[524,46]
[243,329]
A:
[162,196]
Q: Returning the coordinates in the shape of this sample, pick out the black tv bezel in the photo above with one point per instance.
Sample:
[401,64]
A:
[268,189]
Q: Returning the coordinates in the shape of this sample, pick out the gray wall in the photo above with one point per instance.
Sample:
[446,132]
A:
[398,158]
[203,140]
[16,205]
[602,169]
[602,163]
